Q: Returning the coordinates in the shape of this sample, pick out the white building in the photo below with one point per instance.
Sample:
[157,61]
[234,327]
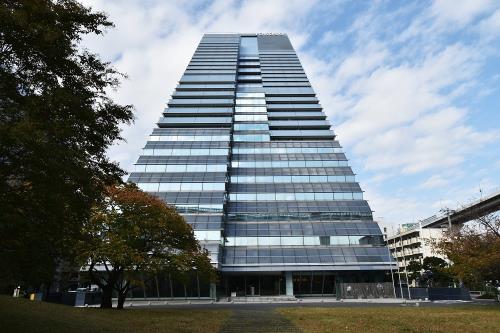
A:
[412,242]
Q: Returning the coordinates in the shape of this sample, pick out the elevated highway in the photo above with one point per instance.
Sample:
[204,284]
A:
[485,205]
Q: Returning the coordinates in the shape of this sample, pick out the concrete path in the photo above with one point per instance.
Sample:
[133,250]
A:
[261,321]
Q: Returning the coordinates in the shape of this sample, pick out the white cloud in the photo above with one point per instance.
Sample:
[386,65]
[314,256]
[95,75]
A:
[490,27]
[153,43]
[459,12]
[435,181]
[392,98]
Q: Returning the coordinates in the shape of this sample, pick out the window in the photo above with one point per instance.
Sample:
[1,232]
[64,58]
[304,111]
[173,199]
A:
[250,117]
[324,240]
[251,137]
[250,109]
[250,101]
[250,85]
[251,127]
[248,46]
[249,95]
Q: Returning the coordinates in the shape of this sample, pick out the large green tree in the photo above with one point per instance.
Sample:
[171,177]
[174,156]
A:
[132,233]
[56,123]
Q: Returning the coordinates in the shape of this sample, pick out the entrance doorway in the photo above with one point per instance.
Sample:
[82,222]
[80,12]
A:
[314,284]
[261,284]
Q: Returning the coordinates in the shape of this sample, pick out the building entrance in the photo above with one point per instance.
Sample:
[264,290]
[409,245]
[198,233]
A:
[314,284]
[253,284]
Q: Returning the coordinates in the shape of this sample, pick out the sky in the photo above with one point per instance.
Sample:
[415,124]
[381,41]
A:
[412,88]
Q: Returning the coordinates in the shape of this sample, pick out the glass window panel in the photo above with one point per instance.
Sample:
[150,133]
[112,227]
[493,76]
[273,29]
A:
[250,101]
[250,117]
[148,187]
[196,168]
[166,187]
[216,168]
[339,240]
[250,109]
[251,127]
[175,168]
[155,168]
[292,241]
[140,168]
[311,241]
[251,137]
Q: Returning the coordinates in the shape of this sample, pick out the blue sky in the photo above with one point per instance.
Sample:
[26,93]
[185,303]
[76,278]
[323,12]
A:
[412,88]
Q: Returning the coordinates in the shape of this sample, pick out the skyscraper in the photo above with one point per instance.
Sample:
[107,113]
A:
[246,155]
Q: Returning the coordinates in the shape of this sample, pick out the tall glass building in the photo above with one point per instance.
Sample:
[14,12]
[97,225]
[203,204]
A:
[246,154]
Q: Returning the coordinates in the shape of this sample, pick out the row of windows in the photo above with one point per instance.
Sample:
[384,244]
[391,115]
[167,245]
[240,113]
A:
[304,196]
[303,241]
[250,109]
[362,212]
[245,260]
[251,127]
[301,251]
[203,138]
[286,164]
[195,120]
[185,152]
[285,106]
[303,228]
[290,179]
[205,86]
[207,235]
[191,131]
[290,144]
[274,209]
[294,172]
[291,150]
[200,101]
[251,137]
[199,208]
[179,177]
[183,187]
[180,168]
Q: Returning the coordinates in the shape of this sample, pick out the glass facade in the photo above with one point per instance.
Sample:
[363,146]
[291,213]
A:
[247,156]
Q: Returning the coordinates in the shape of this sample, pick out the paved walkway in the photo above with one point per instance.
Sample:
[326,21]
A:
[261,321]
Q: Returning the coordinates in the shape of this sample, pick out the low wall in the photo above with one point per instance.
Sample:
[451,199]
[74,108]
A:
[435,294]
[365,290]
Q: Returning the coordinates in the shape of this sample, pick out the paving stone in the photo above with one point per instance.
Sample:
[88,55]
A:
[259,321]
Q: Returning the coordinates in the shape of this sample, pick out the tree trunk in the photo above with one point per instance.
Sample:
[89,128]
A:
[121,299]
[107,294]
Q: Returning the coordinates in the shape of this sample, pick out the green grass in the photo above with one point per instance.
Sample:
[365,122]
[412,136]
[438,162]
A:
[463,319]
[20,315]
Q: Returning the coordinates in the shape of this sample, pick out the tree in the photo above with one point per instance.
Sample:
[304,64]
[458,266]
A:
[414,268]
[56,122]
[131,232]
[436,271]
[474,250]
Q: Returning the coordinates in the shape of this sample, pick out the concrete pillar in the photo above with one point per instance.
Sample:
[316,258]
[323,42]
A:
[289,283]
[213,291]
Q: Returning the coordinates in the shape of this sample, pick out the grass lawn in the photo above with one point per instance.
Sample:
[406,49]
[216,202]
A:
[396,319]
[20,315]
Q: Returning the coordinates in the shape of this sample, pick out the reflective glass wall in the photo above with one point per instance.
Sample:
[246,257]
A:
[246,154]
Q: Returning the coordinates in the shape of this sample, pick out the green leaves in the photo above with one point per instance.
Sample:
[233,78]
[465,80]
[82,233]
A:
[56,123]
[135,232]
[474,251]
